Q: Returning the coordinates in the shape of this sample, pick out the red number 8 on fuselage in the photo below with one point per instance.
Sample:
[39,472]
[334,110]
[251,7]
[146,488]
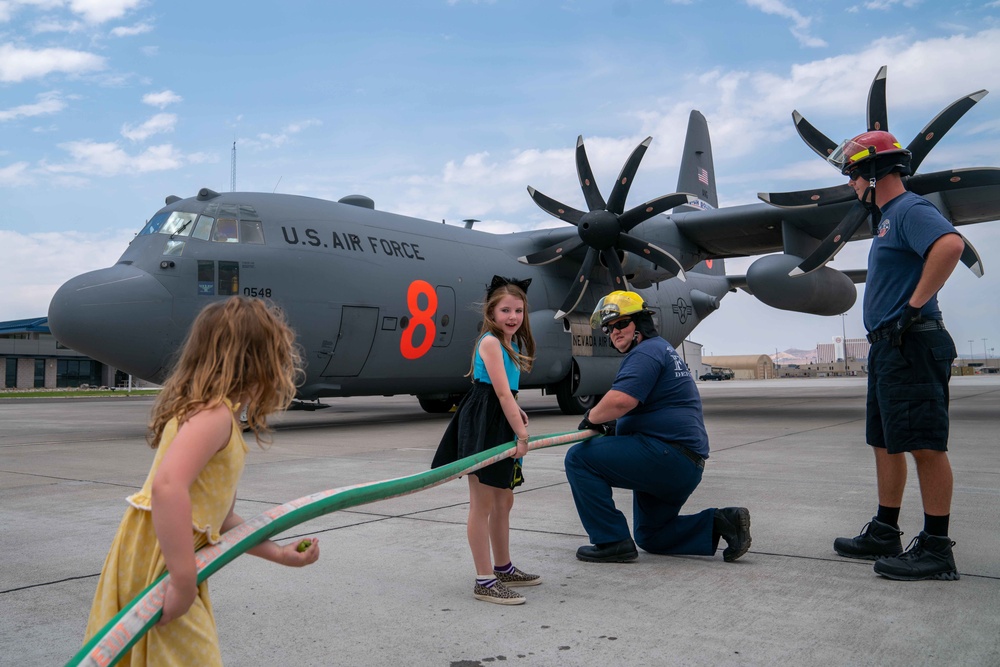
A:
[419,317]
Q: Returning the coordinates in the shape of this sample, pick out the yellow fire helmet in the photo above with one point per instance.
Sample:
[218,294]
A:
[615,305]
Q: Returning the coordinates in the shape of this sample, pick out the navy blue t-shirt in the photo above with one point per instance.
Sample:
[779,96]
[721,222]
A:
[669,403]
[909,227]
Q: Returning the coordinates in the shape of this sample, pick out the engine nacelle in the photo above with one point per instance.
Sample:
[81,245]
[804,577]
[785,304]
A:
[641,272]
[825,291]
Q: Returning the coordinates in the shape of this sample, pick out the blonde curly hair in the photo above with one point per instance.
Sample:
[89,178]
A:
[239,349]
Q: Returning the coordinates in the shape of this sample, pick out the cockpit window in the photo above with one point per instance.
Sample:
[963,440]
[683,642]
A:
[177,223]
[226,231]
[221,223]
[203,230]
[154,224]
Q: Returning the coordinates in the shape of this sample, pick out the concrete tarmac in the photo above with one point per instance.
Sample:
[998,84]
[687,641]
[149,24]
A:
[394,582]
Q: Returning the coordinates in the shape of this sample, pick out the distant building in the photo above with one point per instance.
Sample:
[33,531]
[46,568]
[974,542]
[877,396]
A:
[746,366]
[840,349]
[31,358]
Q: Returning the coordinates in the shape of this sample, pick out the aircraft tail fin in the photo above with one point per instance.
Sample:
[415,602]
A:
[697,176]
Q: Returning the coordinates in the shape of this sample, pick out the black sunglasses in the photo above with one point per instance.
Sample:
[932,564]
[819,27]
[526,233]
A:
[619,325]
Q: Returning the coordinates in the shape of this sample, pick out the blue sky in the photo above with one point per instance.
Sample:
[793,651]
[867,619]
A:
[448,109]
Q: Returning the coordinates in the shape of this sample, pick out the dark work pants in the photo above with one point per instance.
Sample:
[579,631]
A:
[661,479]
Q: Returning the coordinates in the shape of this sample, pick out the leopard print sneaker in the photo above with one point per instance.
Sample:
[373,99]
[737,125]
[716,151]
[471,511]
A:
[497,594]
[517,578]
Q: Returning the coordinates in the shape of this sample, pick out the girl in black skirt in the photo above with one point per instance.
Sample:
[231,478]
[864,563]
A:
[486,417]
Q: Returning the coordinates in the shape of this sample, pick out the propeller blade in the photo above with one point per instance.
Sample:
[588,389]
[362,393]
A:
[579,285]
[616,202]
[953,179]
[554,208]
[805,198]
[644,212]
[552,253]
[878,113]
[832,244]
[934,130]
[610,257]
[654,254]
[821,144]
[595,202]
[971,258]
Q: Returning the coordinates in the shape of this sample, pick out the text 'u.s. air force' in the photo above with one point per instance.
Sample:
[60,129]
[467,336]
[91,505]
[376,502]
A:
[353,243]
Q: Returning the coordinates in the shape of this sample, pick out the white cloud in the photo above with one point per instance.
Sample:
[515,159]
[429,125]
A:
[131,30]
[266,140]
[18,64]
[99,11]
[90,158]
[14,175]
[800,23]
[161,122]
[48,103]
[161,99]
[39,263]
[45,26]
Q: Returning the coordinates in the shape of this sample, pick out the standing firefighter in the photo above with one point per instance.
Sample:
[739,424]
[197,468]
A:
[914,250]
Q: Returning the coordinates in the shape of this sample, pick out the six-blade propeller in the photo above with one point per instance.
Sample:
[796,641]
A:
[919,147]
[605,227]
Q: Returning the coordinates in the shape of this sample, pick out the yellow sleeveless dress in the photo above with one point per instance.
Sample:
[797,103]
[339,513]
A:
[135,560]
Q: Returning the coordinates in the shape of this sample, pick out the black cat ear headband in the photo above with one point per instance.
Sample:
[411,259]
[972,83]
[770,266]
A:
[500,281]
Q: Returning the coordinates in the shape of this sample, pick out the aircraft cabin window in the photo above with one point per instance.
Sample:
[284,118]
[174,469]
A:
[203,230]
[226,231]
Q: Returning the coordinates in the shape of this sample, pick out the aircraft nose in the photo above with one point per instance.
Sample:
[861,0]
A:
[120,316]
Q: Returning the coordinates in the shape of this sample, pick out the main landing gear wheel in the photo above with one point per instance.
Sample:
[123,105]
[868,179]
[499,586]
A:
[437,405]
[570,404]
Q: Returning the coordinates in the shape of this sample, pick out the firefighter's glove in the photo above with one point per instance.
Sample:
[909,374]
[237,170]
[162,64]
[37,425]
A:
[607,428]
[910,316]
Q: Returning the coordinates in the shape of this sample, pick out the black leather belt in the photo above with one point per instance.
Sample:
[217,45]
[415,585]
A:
[694,457]
[886,331]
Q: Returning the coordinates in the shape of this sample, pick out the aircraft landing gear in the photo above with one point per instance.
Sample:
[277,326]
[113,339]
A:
[570,404]
[436,405]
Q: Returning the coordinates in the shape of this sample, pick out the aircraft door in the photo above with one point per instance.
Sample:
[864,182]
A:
[354,341]
[445,315]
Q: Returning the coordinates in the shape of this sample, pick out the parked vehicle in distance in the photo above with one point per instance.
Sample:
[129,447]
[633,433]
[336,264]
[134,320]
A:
[718,373]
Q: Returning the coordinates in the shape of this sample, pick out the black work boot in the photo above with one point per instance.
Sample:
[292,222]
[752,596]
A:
[877,540]
[610,552]
[733,525]
[927,557]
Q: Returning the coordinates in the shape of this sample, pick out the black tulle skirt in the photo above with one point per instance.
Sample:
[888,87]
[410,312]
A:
[477,425]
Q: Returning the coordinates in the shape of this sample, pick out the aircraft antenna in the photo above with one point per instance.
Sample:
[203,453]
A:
[232,176]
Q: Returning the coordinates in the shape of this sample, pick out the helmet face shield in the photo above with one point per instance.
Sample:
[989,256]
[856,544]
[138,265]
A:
[615,305]
[847,155]
[874,145]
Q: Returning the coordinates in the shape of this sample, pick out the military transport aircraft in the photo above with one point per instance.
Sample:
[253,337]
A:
[387,304]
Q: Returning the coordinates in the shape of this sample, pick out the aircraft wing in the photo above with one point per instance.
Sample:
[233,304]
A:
[757,229]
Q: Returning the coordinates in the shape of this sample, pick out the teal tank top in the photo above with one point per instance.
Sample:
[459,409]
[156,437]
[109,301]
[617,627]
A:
[513,372]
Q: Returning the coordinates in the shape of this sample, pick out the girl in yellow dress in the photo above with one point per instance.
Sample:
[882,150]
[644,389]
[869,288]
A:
[239,352]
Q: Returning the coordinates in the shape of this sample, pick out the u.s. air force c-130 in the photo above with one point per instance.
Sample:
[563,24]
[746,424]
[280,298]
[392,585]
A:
[383,304]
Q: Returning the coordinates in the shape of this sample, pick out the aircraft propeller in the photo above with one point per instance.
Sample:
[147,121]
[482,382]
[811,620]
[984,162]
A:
[604,227]
[919,147]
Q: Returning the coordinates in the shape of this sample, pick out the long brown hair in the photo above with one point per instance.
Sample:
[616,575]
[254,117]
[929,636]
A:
[239,349]
[525,358]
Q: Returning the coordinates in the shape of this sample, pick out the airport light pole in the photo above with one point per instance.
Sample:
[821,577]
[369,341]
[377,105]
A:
[985,356]
[843,339]
[970,353]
